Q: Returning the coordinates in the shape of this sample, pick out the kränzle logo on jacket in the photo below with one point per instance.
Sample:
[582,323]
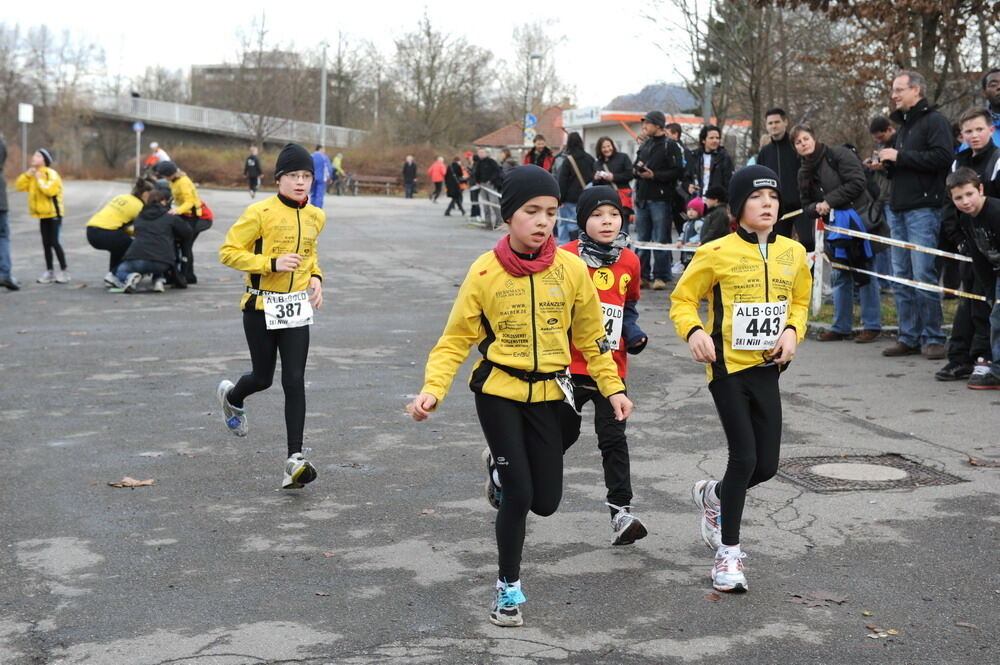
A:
[786,258]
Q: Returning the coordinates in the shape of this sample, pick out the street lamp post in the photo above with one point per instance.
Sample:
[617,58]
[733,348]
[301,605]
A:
[527,86]
[322,99]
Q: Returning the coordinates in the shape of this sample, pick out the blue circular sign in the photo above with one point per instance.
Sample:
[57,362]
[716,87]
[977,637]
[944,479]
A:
[138,127]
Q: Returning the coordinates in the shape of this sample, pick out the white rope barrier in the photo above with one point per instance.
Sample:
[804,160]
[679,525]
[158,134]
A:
[662,247]
[910,282]
[896,243]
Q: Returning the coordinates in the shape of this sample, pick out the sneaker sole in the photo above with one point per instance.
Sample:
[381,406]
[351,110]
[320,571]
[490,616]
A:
[489,487]
[982,387]
[635,531]
[507,623]
[736,588]
[301,478]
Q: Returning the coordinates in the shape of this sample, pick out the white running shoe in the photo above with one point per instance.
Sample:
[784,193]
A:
[299,472]
[506,611]
[727,574]
[234,417]
[711,513]
[493,491]
[62,276]
[132,281]
[112,282]
[626,527]
[46,277]
[159,285]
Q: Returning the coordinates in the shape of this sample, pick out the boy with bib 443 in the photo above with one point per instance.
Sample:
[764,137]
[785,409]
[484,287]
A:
[757,284]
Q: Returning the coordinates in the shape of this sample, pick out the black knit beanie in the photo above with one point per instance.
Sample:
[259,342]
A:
[593,198]
[717,192]
[522,184]
[748,180]
[165,169]
[46,155]
[293,157]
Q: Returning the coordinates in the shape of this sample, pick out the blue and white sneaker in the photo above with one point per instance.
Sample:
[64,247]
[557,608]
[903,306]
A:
[506,611]
[493,492]
[299,472]
[234,417]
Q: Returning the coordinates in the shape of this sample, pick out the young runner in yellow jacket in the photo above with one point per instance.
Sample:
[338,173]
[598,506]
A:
[757,284]
[45,201]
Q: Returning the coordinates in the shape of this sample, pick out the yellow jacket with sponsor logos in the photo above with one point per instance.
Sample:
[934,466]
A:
[522,323]
[732,270]
[266,230]
[117,213]
[186,201]
[44,192]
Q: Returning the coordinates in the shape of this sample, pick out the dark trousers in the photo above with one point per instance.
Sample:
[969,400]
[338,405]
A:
[187,249]
[50,229]
[115,242]
[474,203]
[437,191]
[456,201]
[409,188]
[265,345]
[611,440]
[749,407]
[970,331]
[526,443]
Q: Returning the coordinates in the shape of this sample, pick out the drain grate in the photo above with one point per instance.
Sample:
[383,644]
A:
[845,473]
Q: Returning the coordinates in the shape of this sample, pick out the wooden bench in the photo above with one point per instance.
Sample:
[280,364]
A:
[376,181]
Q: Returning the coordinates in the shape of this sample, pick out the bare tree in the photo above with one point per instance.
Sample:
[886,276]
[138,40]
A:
[267,79]
[440,82]
[168,85]
[529,81]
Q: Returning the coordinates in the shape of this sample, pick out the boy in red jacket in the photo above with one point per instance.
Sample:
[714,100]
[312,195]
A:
[615,271]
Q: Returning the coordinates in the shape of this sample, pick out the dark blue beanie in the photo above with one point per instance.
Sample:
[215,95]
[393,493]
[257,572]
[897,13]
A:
[748,180]
[593,198]
[522,184]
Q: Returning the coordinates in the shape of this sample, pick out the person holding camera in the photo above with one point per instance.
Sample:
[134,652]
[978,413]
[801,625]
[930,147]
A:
[658,166]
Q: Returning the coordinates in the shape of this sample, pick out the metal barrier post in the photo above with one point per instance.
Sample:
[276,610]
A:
[817,292]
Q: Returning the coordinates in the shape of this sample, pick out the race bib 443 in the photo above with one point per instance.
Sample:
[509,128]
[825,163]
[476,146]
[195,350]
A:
[757,325]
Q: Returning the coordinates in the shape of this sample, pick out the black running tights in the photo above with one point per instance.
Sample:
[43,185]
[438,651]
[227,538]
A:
[115,242]
[749,406]
[293,345]
[50,241]
[526,442]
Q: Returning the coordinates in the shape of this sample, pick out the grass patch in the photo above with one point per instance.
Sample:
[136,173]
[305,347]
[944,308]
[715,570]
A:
[889,317]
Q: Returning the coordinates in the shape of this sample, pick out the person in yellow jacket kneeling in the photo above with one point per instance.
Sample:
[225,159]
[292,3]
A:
[757,284]
[275,243]
[111,227]
[521,303]
[45,201]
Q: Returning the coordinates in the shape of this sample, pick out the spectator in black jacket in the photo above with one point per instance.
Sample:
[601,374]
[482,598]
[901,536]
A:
[716,224]
[917,166]
[487,171]
[680,199]
[455,182]
[779,155]
[252,171]
[979,220]
[615,168]
[710,164]
[658,166]
[883,133]
[409,176]
[576,171]
[154,248]
[832,178]
[970,330]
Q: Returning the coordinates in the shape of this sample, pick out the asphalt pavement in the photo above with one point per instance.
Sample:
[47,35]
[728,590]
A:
[389,556]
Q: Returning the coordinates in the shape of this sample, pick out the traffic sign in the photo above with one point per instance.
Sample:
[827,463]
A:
[529,135]
[138,127]
[25,113]
[530,120]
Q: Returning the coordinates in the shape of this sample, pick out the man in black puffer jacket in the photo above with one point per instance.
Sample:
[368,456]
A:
[658,166]
[779,155]
[154,247]
[917,166]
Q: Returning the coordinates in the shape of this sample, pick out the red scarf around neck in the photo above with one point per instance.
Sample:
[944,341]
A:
[519,267]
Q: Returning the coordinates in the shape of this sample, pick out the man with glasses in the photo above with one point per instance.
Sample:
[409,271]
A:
[917,165]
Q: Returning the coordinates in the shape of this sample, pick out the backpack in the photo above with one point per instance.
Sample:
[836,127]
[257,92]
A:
[870,184]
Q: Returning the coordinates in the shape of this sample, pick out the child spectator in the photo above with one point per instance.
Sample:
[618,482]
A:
[716,223]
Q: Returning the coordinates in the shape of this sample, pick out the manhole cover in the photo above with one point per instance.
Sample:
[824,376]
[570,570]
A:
[841,473]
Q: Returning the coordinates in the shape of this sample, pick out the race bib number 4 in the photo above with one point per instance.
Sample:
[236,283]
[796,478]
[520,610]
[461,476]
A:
[287,310]
[757,325]
[613,317]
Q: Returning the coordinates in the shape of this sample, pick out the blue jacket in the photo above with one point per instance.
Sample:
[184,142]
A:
[321,167]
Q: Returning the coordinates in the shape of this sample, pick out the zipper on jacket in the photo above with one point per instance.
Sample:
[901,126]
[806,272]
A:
[298,243]
[534,334]
[767,281]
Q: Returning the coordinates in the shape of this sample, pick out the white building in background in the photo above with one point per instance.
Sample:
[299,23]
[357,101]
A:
[622,127]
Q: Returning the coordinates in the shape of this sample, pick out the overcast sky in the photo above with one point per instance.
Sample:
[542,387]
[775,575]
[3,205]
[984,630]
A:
[606,52]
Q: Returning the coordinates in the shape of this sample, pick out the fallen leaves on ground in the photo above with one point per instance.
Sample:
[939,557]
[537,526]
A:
[427,511]
[132,482]
[867,613]
[328,554]
[714,597]
[963,624]
[78,332]
[322,593]
[817,598]
[982,462]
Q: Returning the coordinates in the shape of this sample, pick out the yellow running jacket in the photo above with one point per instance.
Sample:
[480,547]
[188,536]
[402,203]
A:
[266,230]
[117,213]
[44,192]
[186,201]
[522,323]
[732,270]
